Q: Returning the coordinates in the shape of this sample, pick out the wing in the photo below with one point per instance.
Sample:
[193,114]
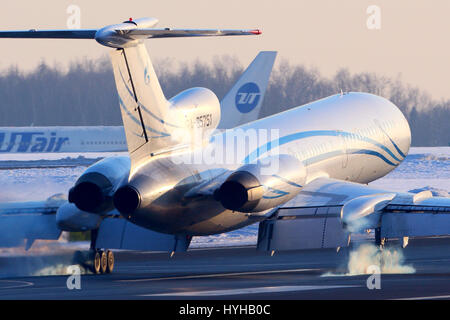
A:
[50,34]
[126,34]
[41,220]
[28,221]
[327,211]
[118,233]
[171,33]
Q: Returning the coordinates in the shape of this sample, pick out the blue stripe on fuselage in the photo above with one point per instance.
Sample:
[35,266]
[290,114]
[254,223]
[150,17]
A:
[306,134]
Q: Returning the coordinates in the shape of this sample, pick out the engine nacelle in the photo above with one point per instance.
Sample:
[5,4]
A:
[193,111]
[70,218]
[94,189]
[257,187]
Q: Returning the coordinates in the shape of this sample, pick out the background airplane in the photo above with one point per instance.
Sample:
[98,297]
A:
[305,184]
[62,139]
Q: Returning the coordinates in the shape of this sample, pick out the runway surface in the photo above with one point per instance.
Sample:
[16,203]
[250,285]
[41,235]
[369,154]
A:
[233,273]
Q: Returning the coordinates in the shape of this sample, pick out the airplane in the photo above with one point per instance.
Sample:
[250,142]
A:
[196,169]
[62,139]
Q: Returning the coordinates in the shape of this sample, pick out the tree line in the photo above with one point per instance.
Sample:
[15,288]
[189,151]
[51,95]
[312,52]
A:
[85,94]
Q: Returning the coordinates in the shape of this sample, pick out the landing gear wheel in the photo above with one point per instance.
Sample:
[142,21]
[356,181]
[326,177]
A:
[97,268]
[110,264]
[78,258]
[103,262]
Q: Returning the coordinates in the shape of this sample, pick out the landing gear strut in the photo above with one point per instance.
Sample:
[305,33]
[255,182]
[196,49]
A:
[379,241]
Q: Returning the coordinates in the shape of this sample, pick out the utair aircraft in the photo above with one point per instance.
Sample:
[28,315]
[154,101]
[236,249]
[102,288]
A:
[199,167]
[62,139]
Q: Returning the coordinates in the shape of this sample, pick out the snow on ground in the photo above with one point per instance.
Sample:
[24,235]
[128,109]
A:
[423,169]
[56,155]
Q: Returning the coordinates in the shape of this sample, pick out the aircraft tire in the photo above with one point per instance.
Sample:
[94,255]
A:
[103,262]
[97,269]
[110,261]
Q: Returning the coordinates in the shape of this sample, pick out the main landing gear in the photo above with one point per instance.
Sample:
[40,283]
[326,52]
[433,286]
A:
[103,262]
[96,260]
[103,259]
[381,242]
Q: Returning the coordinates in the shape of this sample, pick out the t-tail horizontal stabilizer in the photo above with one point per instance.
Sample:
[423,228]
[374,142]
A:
[127,34]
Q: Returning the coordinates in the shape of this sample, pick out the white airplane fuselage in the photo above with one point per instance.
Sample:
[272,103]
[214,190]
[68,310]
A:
[62,139]
[356,137]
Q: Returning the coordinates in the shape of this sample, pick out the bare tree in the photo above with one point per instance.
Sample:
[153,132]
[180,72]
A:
[85,94]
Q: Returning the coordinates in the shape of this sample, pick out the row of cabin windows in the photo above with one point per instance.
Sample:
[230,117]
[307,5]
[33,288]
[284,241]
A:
[22,144]
[102,142]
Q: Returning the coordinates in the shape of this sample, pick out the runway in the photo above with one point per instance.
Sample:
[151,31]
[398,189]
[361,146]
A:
[234,273]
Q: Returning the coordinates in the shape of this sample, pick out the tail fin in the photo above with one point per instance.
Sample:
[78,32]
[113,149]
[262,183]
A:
[142,103]
[243,102]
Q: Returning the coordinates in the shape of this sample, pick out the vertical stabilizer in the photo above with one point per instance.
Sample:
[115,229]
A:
[143,105]
[243,102]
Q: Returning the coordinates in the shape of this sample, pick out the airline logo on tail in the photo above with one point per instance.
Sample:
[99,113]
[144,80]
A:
[247,97]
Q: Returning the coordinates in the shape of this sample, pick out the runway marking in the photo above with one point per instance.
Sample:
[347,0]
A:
[20,284]
[227,292]
[203,266]
[425,298]
[215,275]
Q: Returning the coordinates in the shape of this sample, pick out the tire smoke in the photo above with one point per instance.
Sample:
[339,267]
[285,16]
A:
[362,259]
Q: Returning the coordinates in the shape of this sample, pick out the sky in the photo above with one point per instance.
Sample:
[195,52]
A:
[401,38]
